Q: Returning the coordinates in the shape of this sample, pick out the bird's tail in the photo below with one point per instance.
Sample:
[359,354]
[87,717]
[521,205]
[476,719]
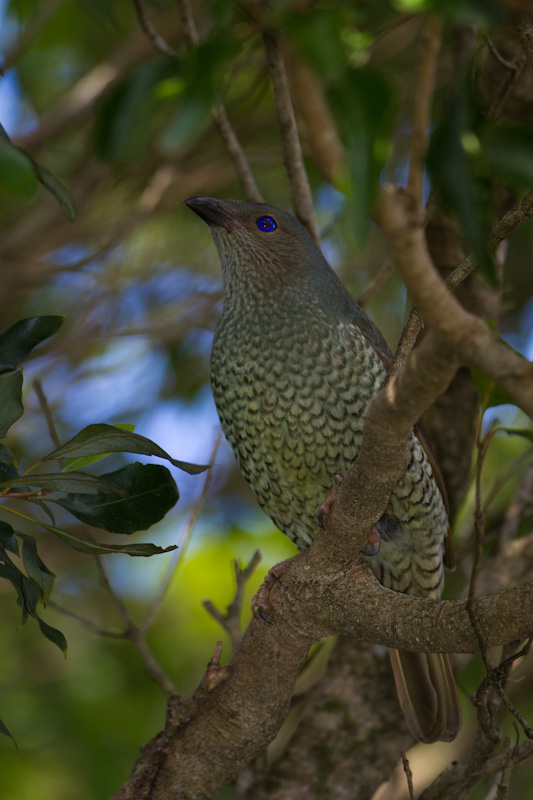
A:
[426,690]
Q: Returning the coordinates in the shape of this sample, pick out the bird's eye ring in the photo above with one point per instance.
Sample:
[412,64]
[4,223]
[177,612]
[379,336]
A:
[266,224]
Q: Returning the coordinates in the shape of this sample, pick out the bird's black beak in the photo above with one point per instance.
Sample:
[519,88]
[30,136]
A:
[209,209]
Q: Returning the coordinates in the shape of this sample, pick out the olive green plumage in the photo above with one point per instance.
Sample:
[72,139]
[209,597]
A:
[294,366]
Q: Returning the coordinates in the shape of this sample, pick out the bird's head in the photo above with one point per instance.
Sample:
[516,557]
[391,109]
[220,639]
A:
[258,244]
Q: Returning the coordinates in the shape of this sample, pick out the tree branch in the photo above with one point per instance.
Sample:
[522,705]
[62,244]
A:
[302,199]
[468,337]
[423,95]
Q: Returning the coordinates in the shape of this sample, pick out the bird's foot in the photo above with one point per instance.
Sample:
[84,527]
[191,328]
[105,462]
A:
[260,598]
[326,506]
[372,546]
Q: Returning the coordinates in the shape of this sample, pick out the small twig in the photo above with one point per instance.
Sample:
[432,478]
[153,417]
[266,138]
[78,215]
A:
[302,199]
[381,277]
[229,137]
[184,538]
[510,65]
[187,20]
[135,635]
[522,500]
[45,408]
[231,620]
[502,792]
[236,154]
[408,775]
[31,495]
[423,94]
[510,79]
[146,24]
[87,623]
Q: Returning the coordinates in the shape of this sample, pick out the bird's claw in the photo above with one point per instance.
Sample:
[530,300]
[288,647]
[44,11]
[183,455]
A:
[260,598]
[326,506]
[372,545]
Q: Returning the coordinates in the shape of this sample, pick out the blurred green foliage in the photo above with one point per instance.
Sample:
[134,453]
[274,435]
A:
[128,132]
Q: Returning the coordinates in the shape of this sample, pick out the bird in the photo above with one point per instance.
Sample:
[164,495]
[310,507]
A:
[295,364]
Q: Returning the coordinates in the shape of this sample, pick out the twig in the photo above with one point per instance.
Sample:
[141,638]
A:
[227,133]
[408,775]
[87,623]
[231,620]
[510,221]
[187,20]
[381,277]
[184,538]
[522,500]
[135,635]
[425,81]
[236,154]
[502,792]
[510,65]
[45,408]
[146,24]
[302,199]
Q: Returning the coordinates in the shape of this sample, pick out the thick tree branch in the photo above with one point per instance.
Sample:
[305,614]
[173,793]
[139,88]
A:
[468,337]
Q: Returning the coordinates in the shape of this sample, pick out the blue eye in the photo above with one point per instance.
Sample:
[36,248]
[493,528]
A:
[266,224]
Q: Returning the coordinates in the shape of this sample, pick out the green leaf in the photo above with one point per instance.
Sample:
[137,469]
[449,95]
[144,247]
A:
[78,463]
[8,464]
[78,482]
[17,341]
[17,172]
[490,394]
[144,549]
[6,732]
[36,569]
[361,104]
[98,439]
[509,149]
[461,175]
[526,433]
[28,594]
[28,597]
[11,408]
[53,635]
[8,538]
[152,492]
[58,189]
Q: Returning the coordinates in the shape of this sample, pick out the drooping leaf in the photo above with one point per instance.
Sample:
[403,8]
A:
[17,341]
[79,463]
[58,189]
[460,176]
[17,172]
[151,493]
[36,569]
[489,393]
[144,549]
[78,482]
[11,408]
[6,732]
[8,538]
[97,439]
[53,635]
[525,433]
[8,464]
[28,597]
